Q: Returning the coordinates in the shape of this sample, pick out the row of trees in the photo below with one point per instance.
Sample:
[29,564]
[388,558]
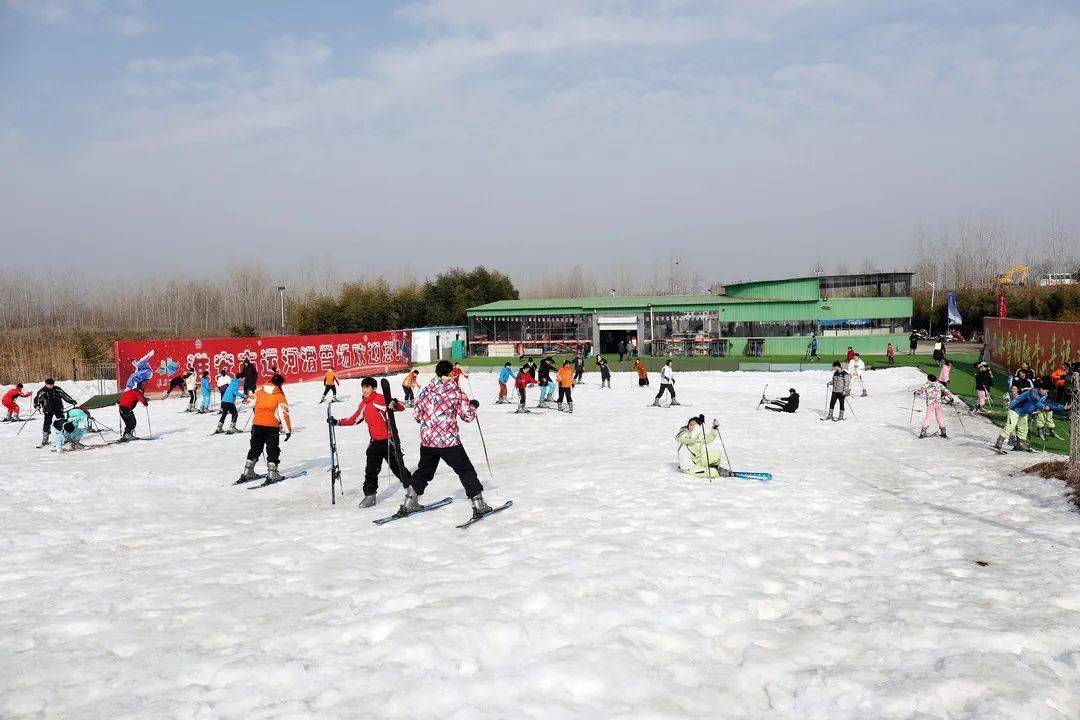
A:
[1055,302]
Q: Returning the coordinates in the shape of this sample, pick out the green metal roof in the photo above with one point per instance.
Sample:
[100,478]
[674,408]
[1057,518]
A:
[578,306]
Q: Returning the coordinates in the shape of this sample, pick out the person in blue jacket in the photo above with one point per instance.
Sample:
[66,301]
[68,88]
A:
[205,388]
[143,371]
[228,407]
[70,430]
[1020,409]
[505,375]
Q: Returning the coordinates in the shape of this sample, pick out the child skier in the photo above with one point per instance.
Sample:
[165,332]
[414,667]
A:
[504,377]
[642,373]
[457,373]
[704,460]
[840,385]
[177,383]
[565,378]
[271,412]
[223,380]
[579,366]
[984,384]
[545,382]
[127,402]
[408,384]
[788,404]
[438,409]
[205,388]
[330,385]
[524,379]
[1044,416]
[11,402]
[50,401]
[667,382]
[890,354]
[934,392]
[70,430]
[190,383]
[855,369]
[946,373]
[228,407]
[605,371]
[372,410]
[1023,404]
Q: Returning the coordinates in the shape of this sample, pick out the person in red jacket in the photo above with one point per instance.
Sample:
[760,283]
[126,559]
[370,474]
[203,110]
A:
[524,380]
[11,403]
[372,410]
[850,355]
[128,400]
[457,373]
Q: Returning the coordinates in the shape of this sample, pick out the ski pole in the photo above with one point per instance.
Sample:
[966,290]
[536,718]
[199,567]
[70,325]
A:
[483,444]
[912,418]
[27,422]
[726,456]
[149,427]
[851,408]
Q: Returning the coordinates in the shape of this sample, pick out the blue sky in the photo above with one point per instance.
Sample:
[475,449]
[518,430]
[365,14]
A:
[755,138]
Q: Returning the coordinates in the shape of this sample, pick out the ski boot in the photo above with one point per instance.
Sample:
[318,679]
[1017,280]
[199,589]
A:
[44,439]
[829,416]
[674,403]
[656,403]
[412,502]
[6,418]
[922,433]
[570,408]
[368,501]
[272,474]
[128,437]
[841,416]
[479,507]
[248,474]
[998,443]
[944,435]
[232,429]
[1053,434]
[560,407]
[1022,446]
[863,393]
[220,429]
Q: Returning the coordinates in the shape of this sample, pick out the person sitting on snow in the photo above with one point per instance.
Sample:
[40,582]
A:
[704,460]
[789,404]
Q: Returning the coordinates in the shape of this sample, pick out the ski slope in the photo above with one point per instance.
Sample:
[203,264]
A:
[878,576]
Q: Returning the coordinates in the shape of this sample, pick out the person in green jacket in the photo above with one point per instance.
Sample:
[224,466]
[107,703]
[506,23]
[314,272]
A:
[704,458]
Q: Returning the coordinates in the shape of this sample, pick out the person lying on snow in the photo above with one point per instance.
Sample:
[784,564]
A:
[704,459]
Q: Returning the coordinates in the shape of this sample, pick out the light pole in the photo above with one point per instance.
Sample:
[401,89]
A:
[281,296]
[933,289]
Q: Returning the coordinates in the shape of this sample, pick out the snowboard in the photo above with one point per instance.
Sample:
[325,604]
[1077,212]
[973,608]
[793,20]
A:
[335,467]
[477,518]
[266,482]
[423,508]
[391,424]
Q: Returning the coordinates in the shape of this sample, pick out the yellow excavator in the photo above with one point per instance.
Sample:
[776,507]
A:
[1016,275]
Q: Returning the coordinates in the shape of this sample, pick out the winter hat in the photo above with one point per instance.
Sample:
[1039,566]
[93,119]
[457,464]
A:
[443,368]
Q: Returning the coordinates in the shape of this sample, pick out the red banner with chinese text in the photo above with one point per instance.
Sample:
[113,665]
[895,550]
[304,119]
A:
[297,357]
[1043,343]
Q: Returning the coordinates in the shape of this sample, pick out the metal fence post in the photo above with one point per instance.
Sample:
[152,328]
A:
[1072,472]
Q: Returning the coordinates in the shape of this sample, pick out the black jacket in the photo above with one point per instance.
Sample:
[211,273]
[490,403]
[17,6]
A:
[51,400]
[984,380]
[791,402]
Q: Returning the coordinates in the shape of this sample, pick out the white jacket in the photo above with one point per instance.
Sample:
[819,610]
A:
[667,375]
[855,366]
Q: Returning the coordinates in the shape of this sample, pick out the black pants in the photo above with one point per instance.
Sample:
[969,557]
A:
[777,405]
[564,392]
[642,381]
[128,416]
[837,396]
[621,353]
[265,437]
[665,386]
[175,384]
[409,397]
[605,375]
[191,398]
[249,386]
[227,409]
[49,416]
[329,389]
[578,372]
[458,460]
[377,451]
[521,396]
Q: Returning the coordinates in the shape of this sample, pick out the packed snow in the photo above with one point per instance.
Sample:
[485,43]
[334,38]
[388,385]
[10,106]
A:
[877,576]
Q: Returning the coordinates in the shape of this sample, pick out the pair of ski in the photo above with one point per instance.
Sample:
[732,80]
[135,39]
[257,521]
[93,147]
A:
[266,481]
[443,503]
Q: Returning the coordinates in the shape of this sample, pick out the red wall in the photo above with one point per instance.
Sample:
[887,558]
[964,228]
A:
[297,357]
[1043,343]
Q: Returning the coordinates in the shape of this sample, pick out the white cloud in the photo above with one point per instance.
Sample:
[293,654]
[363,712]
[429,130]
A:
[198,62]
[123,17]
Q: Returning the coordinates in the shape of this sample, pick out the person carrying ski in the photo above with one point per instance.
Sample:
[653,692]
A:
[457,373]
[788,404]
[855,369]
[330,385]
[935,393]
[504,377]
[667,382]
[71,429]
[704,460]
[605,371]
[840,386]
[565,378]
[1022,406]
[372,410]
[50,401]
[642,373]
[524,379]
[408,384]
[229,397]
[270,414]
[438,408]
[984,385]
[11,402]
[205,389]
[579,366]
[126,404]
[890,354]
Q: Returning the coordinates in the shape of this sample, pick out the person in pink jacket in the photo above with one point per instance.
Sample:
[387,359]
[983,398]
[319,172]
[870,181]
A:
[934,392]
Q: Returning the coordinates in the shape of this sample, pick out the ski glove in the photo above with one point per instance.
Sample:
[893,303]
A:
[287,436]
[475,403]
[331,421]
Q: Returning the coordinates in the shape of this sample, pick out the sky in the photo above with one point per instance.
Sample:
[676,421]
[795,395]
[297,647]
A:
[749,139]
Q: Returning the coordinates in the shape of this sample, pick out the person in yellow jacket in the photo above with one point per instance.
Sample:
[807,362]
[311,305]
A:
[565,378]
[330,385]
[271,413]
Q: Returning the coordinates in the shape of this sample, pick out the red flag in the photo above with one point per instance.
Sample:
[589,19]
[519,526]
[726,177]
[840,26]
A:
[1003,309]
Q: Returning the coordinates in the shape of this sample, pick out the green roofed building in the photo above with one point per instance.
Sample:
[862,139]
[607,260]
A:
[768,317]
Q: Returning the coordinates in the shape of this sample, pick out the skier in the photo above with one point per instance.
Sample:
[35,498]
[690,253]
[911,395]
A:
[372,410]
[127,402]
[270,413]
[50,401]
[704,460]
[205,388]
[984,385]
[408,384]
[855,369]
[11,402]
[545,382]
[667,382]
[841,387]
[228,407]
[251,377]
[330,385]
[524,379]
[177,383]
[605,371]
[504,377]
[935,393]
[565,377]
[457,373]
[438,409]
[788,404]
[642,373]
[890,354]
[143,371]
[811,347]
[70,430]
[579,366]
[913,342]
[1023,404]
[190,383]
[223,379]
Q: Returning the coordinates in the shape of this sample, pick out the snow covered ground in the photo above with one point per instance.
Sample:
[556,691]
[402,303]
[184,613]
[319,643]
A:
[878,576]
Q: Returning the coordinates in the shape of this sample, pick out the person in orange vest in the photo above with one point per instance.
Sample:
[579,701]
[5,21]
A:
[270,414]
[330,385]
[565,377]
[642,373]
[408,385]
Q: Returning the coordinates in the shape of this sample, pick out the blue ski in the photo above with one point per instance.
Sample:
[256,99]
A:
[423,508]
[478,518]
[762,476]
